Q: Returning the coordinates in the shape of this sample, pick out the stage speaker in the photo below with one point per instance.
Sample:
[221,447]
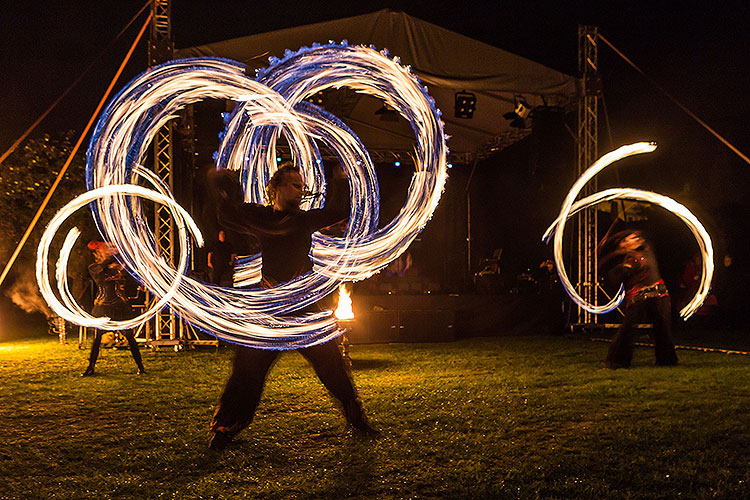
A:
[426,326]
[376,327]
[402,326]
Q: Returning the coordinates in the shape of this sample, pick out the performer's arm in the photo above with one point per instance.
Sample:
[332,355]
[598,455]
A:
[336,208]
[231,210]
[621,271]
[610,257]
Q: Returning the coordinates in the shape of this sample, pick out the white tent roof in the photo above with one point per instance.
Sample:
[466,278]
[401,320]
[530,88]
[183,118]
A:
[445,61]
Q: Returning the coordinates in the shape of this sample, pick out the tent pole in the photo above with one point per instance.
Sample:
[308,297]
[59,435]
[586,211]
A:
[468,220]
[468,235]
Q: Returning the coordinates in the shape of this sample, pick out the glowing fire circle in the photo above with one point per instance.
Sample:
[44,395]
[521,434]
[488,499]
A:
[271,105]
[570,207]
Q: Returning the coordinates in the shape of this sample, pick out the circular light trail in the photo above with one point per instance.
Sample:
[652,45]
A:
[571,207]
[270,106]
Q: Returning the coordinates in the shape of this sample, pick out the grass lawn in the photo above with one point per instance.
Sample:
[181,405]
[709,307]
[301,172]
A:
[530,417]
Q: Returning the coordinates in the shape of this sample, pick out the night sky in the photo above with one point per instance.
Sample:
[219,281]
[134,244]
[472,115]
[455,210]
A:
[696,51]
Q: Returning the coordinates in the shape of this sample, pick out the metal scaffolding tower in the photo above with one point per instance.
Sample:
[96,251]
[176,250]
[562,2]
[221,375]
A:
[168,330]
[160,50]
[587,224]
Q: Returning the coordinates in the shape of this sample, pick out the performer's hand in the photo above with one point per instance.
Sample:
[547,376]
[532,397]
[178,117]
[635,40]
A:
[224,186]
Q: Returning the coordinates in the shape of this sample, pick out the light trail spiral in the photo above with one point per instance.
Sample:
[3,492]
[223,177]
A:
[571,207]
[269,106]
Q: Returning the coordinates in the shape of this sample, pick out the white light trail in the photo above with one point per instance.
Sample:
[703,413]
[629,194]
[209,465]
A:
[68,309]
[570,207]
[248,270]
[270,106]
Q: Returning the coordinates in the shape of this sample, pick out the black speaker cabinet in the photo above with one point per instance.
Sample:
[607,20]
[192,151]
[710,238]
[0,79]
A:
[376,327]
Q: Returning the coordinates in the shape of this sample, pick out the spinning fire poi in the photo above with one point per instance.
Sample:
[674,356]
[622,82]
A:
[645,295]
[570,207]
[269,106]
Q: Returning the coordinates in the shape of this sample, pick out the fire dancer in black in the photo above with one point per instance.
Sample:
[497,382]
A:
[110,301]
[646,299]
[285,235]
[220,259]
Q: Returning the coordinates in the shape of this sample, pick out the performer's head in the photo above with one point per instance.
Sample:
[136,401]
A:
[286,187]
[631,240]
[100,250]
[224,184]
[627,240]
[222,235]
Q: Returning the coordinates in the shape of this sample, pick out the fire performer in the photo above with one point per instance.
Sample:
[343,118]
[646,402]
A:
[285,235]
[110,301]
[220,259]
[647,298]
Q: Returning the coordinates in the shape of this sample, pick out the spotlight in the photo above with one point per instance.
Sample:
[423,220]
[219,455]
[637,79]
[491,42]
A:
[518,116]
[450,165]
[398,163]
[465,104]
[278,159]
[316,99]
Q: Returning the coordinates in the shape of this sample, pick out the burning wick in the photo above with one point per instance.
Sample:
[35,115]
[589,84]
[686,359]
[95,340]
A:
[344,311]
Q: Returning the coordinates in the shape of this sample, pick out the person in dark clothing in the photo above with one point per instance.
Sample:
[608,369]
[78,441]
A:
[110,301]
[285,235]
[646,299]
[220,258]
[729,285]
[551,295]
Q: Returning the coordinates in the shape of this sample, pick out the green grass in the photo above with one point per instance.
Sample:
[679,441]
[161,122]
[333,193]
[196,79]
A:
[480,418]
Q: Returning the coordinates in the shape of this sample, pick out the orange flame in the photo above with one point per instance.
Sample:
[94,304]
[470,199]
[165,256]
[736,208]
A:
[344,310]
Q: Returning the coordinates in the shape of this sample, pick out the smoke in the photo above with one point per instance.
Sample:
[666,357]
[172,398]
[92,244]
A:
[24,291]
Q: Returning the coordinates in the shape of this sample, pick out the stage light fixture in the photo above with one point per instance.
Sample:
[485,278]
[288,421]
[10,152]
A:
[387,113]
[316,99]
[518,116]
[398,163]
[465,104]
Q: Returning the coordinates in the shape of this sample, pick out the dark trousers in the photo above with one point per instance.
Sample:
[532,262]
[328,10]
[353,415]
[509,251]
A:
[217,275]
[656,311]
[244,387]
[131,343]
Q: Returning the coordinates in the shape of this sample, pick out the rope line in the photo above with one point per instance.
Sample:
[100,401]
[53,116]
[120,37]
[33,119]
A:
[675,101]
[64,169]
[686,347]
[72,85]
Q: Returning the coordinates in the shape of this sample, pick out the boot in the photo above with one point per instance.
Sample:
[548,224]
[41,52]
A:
[89,371]
[219,441]
[355,416]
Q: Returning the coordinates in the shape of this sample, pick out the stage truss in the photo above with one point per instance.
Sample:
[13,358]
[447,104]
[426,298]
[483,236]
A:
[587,225]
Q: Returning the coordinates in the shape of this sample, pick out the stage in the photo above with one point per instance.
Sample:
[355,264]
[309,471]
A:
[441,317]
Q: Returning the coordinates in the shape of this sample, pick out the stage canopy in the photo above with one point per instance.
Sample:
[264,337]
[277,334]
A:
[445,61]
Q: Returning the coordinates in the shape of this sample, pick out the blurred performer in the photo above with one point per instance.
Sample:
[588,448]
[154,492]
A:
[729,285]
[220,259]
[110,301]
[285,234]
[646,299]
[689,283]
